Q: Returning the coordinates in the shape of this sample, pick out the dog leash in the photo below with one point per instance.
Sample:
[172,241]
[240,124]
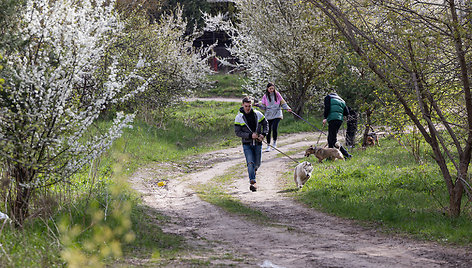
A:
[307,122]
[281,152]
[319,137]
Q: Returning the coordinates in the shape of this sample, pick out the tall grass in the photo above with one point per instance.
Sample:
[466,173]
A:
[387,186]
[99,222]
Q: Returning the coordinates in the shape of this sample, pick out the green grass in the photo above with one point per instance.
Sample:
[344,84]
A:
[385,185]
[38,244]
[33,246]
[225,85]
[196,127]
[291,124]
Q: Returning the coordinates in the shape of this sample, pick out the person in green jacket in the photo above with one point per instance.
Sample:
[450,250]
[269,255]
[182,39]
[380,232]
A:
[335,109]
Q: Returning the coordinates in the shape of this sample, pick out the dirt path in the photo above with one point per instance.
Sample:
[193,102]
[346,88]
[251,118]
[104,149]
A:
[297,236]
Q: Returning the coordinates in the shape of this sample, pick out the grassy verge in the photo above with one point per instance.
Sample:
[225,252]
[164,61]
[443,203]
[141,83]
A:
[386,186]
[196,127]
[225,85]
[90,231]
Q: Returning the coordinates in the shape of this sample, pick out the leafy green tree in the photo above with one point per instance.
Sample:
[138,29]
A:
[359,88]
[421,53]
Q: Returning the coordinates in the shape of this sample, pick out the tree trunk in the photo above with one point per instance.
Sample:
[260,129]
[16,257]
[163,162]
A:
[20,206]
[455,200]
[368,115]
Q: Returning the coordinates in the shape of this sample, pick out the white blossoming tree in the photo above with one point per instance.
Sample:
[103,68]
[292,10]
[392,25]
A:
[283,42]
[165,56]
[45,117]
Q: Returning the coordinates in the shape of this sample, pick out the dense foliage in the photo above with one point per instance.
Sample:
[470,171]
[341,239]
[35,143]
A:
[164,57]
[283,42]
[421,53]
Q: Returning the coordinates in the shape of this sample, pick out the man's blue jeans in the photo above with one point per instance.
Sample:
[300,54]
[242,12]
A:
[253,154]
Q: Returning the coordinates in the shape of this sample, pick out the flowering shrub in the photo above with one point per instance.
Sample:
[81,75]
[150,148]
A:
[47,109]
[164,55]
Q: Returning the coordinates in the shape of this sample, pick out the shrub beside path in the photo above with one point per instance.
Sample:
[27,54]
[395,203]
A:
[296,236]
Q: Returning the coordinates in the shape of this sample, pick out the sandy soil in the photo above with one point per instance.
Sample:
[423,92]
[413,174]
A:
[297,236]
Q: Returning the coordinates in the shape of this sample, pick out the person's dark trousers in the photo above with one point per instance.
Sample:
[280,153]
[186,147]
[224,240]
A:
[273,126]
[333,128]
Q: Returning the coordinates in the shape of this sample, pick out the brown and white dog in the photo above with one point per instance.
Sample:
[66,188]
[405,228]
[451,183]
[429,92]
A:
[302,173]
[323,153]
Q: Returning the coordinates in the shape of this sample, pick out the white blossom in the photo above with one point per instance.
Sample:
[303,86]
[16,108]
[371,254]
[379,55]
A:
[280,41]
[47,114]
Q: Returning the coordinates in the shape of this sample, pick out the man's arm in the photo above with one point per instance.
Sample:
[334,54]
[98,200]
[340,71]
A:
[238,129]
[327,106]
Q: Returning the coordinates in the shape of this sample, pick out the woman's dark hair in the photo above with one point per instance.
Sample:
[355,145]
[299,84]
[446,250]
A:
[268,93]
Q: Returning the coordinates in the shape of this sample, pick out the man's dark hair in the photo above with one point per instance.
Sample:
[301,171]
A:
[247,99]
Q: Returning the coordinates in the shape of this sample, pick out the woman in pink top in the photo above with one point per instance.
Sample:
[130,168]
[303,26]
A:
[273,103]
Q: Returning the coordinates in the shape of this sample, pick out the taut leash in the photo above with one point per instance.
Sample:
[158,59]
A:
[281,152]
[307,122]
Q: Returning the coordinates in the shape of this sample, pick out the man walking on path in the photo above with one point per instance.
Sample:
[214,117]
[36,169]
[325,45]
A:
[251,126]
[334,110]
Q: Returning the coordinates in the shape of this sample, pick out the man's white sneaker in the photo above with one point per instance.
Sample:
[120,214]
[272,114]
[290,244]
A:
[268,148]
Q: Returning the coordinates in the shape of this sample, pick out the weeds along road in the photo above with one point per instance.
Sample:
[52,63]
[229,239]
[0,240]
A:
[292,236]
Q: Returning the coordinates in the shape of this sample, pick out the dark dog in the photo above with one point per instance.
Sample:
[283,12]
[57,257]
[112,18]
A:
[372,139]
[323,153]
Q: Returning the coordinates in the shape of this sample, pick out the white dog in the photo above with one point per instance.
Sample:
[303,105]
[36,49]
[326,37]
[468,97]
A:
[302,173]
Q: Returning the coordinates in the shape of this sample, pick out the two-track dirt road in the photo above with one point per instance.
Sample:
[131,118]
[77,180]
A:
[297,236]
